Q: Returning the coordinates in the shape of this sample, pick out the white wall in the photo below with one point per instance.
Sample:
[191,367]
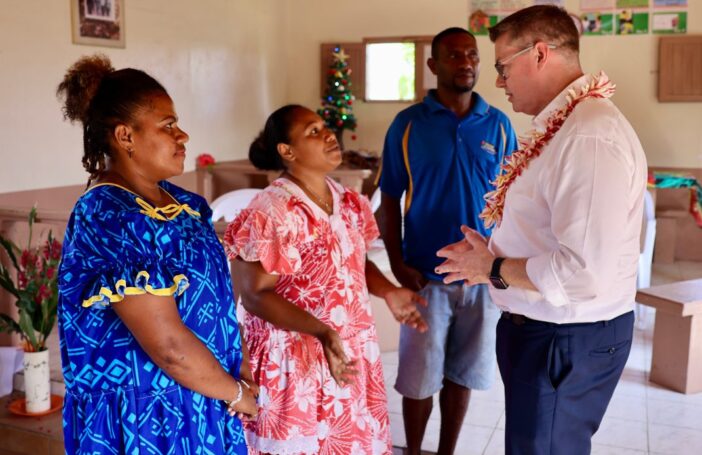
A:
[221,60]
[670,132]
[228,63]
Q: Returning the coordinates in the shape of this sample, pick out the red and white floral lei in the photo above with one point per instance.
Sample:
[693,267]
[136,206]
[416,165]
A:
[533,143]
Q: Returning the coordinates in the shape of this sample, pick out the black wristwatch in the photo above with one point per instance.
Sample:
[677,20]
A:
[495,278]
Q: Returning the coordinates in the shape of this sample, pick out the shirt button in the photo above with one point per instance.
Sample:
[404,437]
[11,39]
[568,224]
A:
[612,350]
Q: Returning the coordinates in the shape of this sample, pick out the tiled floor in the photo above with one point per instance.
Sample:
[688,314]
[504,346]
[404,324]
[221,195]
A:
[642,419]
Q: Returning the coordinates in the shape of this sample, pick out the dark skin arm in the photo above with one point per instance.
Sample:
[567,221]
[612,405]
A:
[156,325]
[257,290]
[401,301]
[390,223]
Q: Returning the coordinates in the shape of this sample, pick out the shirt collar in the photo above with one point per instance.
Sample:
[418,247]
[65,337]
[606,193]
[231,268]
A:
[479,107]
[539,121]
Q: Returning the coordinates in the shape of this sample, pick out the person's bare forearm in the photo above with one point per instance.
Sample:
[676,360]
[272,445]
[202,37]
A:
[377,283]
[271,307]
[156,325]
[191,364]
[514,273]
[257,291]
[391,228]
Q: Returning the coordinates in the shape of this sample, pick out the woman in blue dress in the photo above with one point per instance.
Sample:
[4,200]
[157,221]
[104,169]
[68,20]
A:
[150,344]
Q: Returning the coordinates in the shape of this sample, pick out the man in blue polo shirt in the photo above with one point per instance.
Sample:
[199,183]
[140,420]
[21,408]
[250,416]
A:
[442,154]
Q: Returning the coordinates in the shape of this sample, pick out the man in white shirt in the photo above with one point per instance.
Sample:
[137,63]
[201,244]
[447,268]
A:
[563,256]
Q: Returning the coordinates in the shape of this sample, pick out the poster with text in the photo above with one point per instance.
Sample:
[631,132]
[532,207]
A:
[597,23]
[669,22]
[596,5]
[631,22]
[669,3]
[560,3]
[633,3]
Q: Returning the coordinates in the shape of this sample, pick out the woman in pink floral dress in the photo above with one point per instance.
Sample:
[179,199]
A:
[304,279]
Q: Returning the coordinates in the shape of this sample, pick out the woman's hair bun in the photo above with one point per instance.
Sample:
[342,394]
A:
[80,84]
[264,155]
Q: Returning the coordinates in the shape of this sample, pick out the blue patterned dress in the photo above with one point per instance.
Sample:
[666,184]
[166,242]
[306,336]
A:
[117,400]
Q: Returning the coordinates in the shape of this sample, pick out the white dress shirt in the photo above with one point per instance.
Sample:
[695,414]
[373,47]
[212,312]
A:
[576,214]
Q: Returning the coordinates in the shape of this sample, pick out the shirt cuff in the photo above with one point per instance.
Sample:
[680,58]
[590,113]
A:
[540,271]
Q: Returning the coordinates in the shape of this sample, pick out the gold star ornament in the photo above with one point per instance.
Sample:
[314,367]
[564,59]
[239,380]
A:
[341,56]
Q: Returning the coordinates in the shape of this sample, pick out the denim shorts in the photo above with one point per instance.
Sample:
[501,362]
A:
[459,344]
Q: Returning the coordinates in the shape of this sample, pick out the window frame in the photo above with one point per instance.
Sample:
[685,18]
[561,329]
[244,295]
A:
[419,61]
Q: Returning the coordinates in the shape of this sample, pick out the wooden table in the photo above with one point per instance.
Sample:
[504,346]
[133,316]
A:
[677,336]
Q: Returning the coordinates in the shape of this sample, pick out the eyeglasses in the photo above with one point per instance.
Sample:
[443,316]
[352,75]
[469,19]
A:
[500,64]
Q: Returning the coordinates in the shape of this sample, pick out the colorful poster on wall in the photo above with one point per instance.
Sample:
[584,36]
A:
[479,22]
[669,22]
[669,3]
[483,14]
[550,2]
[597,23]
[596,5]
[633,3]
[631,22]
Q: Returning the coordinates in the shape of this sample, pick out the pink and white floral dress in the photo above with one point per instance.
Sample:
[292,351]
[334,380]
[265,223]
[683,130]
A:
[321,262]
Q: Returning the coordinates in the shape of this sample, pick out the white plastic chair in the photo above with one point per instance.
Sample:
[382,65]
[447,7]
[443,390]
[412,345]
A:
[229,204]
[648,239]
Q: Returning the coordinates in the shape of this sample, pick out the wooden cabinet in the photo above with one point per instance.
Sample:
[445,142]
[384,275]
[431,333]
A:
[680,68]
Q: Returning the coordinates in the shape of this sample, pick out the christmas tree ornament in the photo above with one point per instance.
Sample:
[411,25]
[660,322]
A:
[341,56]
[337,100]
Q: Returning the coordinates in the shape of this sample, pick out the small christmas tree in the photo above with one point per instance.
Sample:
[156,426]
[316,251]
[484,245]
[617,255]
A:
[337,110]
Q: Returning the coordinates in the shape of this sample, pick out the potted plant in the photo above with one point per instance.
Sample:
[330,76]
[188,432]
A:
[35,291]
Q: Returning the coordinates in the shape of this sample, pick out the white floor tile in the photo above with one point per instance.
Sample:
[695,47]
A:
[627,407]
[669,440]
[473,439]
[397,430]
[598,449]
[496,446]
[656,392]
[622,433]
[483,413]
[673,413]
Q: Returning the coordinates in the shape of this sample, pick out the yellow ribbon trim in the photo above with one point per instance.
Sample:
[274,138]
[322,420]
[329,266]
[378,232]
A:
[169,212]
[122,290]
[166,213]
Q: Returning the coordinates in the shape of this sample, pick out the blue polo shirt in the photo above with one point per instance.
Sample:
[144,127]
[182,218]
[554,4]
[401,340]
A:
[444,165]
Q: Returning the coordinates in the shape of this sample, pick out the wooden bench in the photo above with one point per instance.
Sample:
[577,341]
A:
[677,336]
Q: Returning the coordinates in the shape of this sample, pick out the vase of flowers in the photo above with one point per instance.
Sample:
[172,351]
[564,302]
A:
[33,285]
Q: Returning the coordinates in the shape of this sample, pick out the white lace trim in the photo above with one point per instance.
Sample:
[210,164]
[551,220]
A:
[298,445]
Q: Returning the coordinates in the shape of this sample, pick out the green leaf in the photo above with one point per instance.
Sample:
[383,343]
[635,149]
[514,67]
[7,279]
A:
[7,283]
[32,218]
[7,324]
[10,248]
[25,323]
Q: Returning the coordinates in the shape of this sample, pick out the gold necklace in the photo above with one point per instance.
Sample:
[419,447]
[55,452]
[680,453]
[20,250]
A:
[314,195]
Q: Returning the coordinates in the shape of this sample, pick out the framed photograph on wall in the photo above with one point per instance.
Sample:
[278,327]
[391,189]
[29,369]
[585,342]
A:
[98,22]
